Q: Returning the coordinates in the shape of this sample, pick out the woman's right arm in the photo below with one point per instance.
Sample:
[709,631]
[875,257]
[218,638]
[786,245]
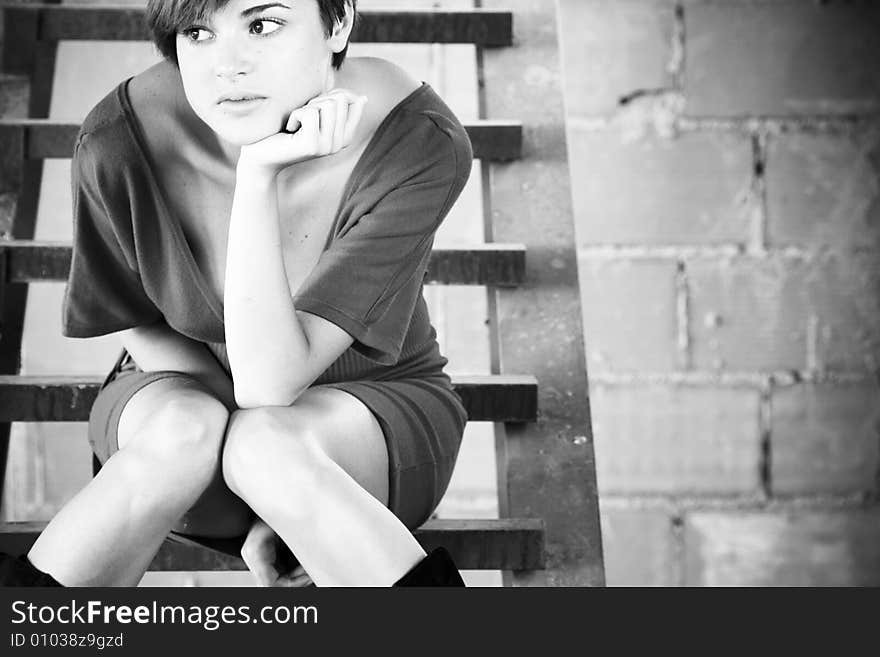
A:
[157,347]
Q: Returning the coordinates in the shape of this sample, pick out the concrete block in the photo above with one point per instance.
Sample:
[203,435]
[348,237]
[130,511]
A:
[823,191]
[618,48]
[825,438]
[668,439]
[799,547]
[694,189]
[638,546]
[785,313]
[781,58]
[629,309]
[746,314]
[841,294]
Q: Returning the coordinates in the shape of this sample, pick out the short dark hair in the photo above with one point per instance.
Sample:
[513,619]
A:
[165,18]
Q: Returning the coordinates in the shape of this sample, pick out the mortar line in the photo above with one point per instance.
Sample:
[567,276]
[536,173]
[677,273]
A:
[874,368]
[682,312]
[676,252]
[755,380]
[765,411]
[717,502]
[676,63]
[679,548]
[758,197]
[812,344]
[833,125]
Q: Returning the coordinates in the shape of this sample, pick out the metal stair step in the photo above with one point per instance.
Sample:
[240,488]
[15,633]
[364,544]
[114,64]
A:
[483,27]
[495,398]
[503,544]
[492,140]
[502,265]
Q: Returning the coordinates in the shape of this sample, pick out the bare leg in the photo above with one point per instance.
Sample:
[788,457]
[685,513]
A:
[80,547]
[336,523]
[108,534]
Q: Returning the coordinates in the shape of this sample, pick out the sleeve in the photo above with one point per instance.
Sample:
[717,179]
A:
[104,293]
[369,279]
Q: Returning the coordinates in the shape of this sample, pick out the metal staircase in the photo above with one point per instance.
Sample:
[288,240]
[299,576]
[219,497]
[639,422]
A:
[549,530]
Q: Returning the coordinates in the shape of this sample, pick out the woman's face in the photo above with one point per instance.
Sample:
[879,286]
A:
[247,66]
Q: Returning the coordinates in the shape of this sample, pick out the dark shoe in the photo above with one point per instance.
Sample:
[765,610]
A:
[19,571]
[436,569]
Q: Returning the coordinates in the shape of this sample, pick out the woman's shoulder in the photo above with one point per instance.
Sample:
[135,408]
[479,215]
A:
[389,88]
[383,82]
[104,151]
[408,110]
[158,86]
[108,125]
[104,124]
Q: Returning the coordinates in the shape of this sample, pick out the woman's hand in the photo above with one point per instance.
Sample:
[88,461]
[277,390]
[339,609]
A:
[263,552]
[323,126]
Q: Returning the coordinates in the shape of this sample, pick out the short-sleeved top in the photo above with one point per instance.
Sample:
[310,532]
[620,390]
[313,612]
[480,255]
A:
[132,265]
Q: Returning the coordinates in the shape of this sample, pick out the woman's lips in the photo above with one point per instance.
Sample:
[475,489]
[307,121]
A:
[240,106]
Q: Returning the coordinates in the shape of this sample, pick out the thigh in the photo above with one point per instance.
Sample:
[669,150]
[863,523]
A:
[423,422]
[332,421]
[349,434]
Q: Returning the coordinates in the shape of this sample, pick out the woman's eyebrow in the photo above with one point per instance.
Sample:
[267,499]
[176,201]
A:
[258,8]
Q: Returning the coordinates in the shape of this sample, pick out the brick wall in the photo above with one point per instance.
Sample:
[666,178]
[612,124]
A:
[725,158]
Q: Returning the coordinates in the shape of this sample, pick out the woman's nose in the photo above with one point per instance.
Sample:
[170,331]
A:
[232,60]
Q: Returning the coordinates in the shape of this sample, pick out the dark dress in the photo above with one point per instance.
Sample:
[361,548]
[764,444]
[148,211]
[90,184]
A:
[132,266]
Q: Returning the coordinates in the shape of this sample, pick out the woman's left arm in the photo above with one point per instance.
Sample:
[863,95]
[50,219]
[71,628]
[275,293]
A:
[274,352]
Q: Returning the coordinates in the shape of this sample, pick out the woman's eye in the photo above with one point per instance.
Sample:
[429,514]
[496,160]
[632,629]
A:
[196,34]
[264,26]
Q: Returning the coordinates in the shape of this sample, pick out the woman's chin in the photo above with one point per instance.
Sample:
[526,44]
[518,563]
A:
[241,138]
[245,134]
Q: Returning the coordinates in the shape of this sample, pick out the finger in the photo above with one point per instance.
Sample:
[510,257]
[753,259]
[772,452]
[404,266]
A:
[259,529]
[258,553]
[293,122]
[319,106]
[354,116]
[298,116]
[295,576]
[327,110]
[262,569]
[309,130]
[341,99]
[339,93]
[339,123]
[301,581]
[259,561]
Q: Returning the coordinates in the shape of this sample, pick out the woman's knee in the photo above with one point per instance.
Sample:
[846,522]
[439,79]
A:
[265,443]
[178,425]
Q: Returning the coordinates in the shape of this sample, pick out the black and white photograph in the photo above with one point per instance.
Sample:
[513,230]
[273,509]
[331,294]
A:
[479,294]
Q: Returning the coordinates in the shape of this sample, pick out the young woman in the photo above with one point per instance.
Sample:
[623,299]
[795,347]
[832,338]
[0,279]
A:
[254,217]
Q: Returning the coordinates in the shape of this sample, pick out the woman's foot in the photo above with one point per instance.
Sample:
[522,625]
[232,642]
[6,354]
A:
[19,571]
[436,569]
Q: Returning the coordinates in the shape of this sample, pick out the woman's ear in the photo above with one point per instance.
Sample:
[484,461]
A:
[342,30]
